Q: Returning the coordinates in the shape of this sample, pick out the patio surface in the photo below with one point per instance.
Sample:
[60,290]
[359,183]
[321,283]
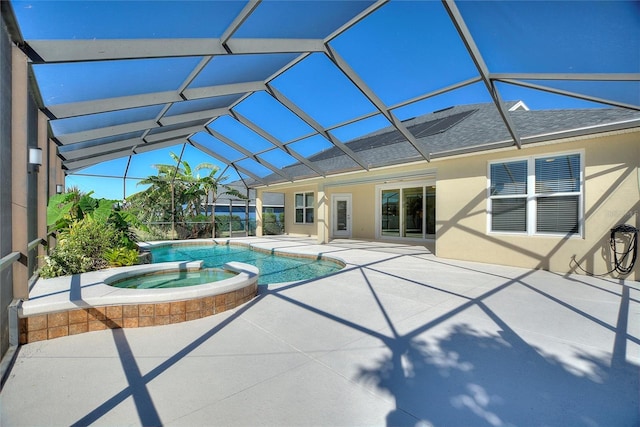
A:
[398,338]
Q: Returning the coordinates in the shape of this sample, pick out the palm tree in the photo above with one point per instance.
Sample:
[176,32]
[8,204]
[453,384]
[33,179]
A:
[187,193]
[213,187]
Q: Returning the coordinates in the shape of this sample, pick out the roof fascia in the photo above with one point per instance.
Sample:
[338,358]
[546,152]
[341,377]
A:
[584,132]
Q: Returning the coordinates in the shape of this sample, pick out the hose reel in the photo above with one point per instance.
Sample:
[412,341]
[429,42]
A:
[624,260]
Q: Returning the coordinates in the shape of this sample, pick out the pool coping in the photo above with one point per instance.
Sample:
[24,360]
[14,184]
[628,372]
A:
[255,247]
[81,303]
[92,289]
[86,302]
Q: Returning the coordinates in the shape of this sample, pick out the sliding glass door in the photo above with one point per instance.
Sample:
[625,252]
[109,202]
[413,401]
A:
[407,211]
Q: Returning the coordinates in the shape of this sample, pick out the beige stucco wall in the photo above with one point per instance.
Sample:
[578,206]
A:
[612,196]
[363,199]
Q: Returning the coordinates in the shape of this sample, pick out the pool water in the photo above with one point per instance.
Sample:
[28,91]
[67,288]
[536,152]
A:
[174,279]
[273,268]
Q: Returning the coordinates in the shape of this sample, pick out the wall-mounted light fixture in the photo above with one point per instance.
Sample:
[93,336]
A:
[59,188]
[35,159]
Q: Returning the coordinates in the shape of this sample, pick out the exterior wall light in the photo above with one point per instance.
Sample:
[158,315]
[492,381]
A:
[35,158]
[59,188]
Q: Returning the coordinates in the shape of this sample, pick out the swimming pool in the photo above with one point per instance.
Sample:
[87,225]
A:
[274,268]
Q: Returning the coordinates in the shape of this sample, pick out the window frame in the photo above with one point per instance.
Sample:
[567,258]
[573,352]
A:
[401,186]
[532,196]
[305,208]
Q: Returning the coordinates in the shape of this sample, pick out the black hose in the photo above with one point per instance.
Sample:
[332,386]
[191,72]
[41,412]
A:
[619,262]
[633,247]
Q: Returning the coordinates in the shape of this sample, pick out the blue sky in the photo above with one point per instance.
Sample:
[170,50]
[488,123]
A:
[403,50]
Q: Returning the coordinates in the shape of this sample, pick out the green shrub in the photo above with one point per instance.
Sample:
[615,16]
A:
[271,225]
[82,247]
[119,257]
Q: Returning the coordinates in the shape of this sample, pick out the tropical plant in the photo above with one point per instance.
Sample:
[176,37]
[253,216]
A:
[179,194]
[118,257]
[64,209]
[81,247]
[87,230]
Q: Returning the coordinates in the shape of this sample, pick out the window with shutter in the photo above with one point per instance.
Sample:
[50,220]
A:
[538,195]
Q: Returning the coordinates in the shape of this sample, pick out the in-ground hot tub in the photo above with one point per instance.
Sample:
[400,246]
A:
[82,303]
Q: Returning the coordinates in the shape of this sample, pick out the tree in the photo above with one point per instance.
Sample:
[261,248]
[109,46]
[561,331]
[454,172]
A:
[184,189]
[91,234]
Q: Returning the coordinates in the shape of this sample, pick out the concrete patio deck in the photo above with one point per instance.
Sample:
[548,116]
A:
[399,337]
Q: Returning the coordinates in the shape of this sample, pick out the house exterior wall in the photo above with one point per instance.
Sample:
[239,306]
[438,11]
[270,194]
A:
[363,205]
[611,197]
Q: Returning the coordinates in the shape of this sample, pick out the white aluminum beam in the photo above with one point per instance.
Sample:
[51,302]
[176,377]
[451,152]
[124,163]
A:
[222,90]
[73,109]
[571,94]
[125,144]
[88,135]
[247,153]
[197,115]
[600,77]
[150,146]
[82,108]
[52,51]
[436,92]
[368,11]
[315,125]
[57,51]
[194,73]
[225,160]
[252,46]
[94,160]
[244,14]
[172,134]
[342,65]
[272,139]
[481,66]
